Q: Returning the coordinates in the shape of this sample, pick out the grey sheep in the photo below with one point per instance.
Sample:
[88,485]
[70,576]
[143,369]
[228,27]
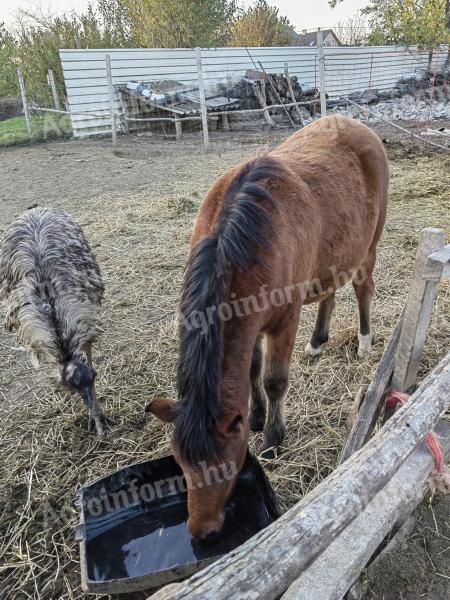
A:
[52,289]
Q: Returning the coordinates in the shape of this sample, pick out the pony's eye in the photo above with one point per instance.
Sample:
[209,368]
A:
[234,425]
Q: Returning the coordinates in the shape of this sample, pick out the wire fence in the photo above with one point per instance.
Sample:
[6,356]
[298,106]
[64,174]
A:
[205,93]
[43,115]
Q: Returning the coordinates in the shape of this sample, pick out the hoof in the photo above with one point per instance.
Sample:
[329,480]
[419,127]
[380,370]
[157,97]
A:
[269,452]
[311,351]
[99,424]
[256,422]
[364,344]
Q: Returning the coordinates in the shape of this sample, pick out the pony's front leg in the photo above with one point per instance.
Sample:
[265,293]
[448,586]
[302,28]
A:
[280,345]
[257,417]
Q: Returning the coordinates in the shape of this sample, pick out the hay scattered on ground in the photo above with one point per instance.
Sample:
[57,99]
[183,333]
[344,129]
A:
[141,242]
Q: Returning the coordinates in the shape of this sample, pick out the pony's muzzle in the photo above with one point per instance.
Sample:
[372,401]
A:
[208,531]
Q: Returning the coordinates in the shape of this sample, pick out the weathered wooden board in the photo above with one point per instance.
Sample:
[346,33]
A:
[417,315]
[268,563]
[372,401]
[437,267]
[335,571]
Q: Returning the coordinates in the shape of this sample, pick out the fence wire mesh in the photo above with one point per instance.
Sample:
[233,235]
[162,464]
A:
[40,115]
[409,88]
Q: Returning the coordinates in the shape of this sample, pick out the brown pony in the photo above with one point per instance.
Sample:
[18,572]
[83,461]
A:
[273,233]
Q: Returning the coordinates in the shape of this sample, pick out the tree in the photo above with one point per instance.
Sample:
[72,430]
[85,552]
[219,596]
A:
[407,22]
[353,30]
[180,23]
[261,25]
[34,42]
[8,77]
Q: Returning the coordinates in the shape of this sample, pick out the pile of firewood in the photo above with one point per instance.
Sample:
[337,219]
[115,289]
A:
[258,89]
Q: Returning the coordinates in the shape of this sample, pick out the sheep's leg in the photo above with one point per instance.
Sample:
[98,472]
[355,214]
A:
[97,419]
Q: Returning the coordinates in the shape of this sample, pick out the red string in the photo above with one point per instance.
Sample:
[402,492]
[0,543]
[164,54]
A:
[395,397]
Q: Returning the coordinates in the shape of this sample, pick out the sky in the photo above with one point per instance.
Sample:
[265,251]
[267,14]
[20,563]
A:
[304,14]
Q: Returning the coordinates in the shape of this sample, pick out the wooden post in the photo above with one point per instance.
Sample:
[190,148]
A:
[418,310]
[26,110]
[201,91]
[178,128]
[111,100]
[323,95]
[123,106]
[271,560]
[51,80]
[225,123]
[292,95]
[261,97]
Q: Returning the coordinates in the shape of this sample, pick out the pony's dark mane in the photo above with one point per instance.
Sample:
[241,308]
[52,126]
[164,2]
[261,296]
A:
[244,229]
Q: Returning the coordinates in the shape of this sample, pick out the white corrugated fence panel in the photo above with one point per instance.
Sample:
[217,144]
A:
[347,70]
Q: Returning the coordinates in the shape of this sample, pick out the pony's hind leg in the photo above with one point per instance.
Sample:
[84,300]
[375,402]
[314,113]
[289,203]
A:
[257,417]
[364,288]
[276,378]
[322,326]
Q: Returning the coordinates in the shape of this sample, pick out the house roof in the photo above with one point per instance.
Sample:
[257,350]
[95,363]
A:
[310,38]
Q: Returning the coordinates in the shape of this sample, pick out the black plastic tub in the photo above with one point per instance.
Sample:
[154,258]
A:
[133,530]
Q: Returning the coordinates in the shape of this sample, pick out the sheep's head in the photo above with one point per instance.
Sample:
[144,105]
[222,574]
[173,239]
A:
[79,376]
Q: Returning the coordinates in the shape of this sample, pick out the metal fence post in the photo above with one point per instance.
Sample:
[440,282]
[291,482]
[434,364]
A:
[51,81]
[201,91]
[112,106]
[26,110]
[323,95]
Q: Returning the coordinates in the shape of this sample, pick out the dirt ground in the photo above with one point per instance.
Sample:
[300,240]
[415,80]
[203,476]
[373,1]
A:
[137,208]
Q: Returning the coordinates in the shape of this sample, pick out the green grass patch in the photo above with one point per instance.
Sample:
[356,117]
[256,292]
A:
[44,128]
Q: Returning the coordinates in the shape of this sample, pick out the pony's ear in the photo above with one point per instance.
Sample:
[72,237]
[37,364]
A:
[162,408]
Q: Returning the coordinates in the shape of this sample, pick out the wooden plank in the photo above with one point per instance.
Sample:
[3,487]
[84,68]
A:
[201,91]
[417,314]
[51,79]
[277,95]
[437,267]
[335,571]
[178,128]
[322,84]
[111,101]
[373,399]
[261,97]
[292,95]
[264,566]
[124,108]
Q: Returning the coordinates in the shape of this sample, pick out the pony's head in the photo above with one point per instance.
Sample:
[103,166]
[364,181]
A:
[210,479]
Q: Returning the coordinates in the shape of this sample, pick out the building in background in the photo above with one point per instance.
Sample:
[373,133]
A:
[309,38]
